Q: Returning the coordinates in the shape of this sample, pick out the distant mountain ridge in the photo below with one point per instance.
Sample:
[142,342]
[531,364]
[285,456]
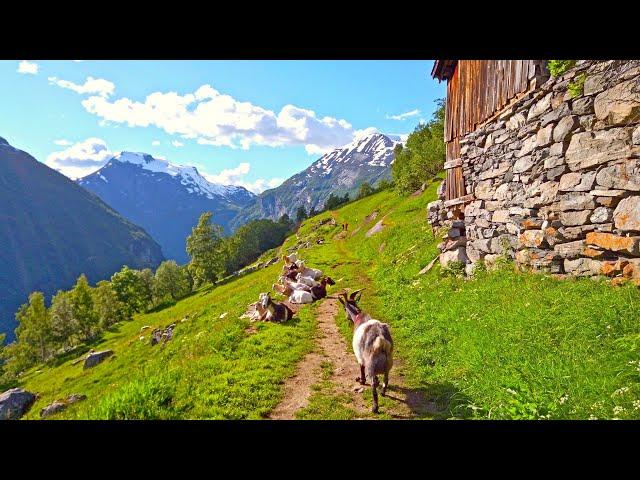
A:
[52,230]
[366,159]
[164,198]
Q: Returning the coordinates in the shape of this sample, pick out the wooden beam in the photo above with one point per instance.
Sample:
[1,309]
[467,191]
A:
[456,162]
[459,200]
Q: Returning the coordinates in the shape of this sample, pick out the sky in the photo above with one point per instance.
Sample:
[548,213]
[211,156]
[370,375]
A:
[250,123]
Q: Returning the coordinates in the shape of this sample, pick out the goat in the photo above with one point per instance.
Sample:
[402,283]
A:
[254,312]
[277,312]
[301,296]
[307,280]
[287,287]
[308,272]
[372,345]
[321,290]
[290,271]
[289,259]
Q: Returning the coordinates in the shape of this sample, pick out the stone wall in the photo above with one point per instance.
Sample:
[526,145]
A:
[556,180]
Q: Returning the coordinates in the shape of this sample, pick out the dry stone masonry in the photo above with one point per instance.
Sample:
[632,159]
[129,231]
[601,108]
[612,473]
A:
[555,179]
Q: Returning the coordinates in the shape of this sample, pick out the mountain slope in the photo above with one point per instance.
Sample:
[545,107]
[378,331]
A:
[52,230]
[367,159]
[165,199]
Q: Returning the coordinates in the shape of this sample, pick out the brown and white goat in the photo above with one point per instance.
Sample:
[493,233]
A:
[372,345]
[320,291]
[276,312]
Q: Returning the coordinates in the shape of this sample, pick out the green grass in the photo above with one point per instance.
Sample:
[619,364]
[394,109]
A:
[505,345]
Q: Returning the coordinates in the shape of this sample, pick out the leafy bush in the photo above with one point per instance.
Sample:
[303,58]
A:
[558,67]
[576,88]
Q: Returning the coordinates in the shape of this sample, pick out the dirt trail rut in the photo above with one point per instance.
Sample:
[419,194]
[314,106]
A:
[332,347]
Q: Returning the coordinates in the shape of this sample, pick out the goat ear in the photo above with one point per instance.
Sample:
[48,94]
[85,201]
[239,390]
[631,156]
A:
[340,297]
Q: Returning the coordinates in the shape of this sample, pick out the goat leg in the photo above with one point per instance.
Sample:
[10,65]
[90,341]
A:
[374,391]
[362,379]
[385,383]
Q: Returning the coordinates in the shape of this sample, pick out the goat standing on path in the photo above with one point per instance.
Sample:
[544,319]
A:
[372,345]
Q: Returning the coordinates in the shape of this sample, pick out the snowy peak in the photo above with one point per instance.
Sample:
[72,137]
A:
[375,150]
[188,176]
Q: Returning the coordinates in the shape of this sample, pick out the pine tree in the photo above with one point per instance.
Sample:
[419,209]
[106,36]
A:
[83,309]
[206,249]
[63,323]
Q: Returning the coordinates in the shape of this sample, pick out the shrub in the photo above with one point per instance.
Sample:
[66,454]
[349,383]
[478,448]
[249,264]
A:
[558,67]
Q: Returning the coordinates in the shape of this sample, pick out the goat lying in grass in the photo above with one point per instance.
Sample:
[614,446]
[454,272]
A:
[320,291]
[276,312]
[254,312]
[308,272]
[372,345]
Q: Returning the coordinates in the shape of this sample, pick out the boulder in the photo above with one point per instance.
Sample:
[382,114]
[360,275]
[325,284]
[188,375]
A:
[14,403]
[457,255]
[588,149]
[95,358]
[615,243]
[619,105]
[593,84]
[627,214]
[52,409]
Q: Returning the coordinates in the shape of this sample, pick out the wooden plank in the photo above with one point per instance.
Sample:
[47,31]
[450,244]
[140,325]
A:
[453,163]
[459,201]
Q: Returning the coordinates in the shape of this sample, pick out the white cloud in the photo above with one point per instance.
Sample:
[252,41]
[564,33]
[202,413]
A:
[80,159]
[213,118]
[99,86]
[176,143]
[62,143]
[155,143]
[235,176]
[25,66]
[405,115]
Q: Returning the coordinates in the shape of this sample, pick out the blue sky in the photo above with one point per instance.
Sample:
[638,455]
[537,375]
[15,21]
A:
[253,123]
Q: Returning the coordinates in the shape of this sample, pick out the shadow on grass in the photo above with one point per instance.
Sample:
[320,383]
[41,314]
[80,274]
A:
[440,401]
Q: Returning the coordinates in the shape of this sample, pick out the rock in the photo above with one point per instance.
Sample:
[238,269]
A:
[375,229]
[523,164]
[495,172]
[588,149]
[576,201]
[544,136]
[553,162]
[632,269]
[619,105]
[162,334]
[527,146]
[473,209]
[540,107]
[635,136]
[14,403]
[615,243]
[75,397]
[516,121]
[611,269]
[53,408]
[593,84]
[531,224]
[531,238]
[627,214]
[575,218]
[95,358]
[569,250]
[582,267]
[454,233]
[539,259]
[624,175]
[484,190]
[565,126]
[601,215]
[582,106]
[458,255]
[558,149]
[500,216]
[577,181]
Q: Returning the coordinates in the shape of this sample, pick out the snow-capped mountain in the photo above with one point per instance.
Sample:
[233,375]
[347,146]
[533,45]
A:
[165,199]
[367,159]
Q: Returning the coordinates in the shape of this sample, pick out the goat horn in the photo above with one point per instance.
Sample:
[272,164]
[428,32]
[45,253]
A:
[353,294]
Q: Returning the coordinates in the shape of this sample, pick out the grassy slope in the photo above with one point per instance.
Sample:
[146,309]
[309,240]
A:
[505,345]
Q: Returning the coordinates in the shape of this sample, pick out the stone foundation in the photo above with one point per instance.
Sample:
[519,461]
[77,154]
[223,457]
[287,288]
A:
[555,179]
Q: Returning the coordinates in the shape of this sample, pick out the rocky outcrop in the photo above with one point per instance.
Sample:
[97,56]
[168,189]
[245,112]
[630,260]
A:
[555,180]
[14,403]
[60,405]
[162,335]
[94,358]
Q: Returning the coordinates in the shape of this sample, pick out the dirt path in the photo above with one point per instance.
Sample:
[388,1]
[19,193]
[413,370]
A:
[332,347]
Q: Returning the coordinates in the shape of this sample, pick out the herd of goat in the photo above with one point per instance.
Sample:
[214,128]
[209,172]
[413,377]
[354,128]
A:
[372,342]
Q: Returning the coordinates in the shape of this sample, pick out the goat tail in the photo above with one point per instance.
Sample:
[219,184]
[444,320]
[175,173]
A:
[382,345]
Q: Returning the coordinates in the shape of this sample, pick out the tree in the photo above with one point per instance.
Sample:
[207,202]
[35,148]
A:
[33,334]
[128,288]
[334,201]
[83,309]
[301,214]
[365,190]
[170,281]
[64,326]
[423,156]
[147,280]
[109,308]
[206,249]
[384,184]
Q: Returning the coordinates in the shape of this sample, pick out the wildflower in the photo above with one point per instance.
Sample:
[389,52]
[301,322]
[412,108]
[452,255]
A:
[621,391]
[563,399]
[512,392]
[593,417]
[636,404]
[617,410]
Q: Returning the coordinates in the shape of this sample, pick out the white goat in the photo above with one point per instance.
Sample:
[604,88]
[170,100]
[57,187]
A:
[308,272]
[307,280]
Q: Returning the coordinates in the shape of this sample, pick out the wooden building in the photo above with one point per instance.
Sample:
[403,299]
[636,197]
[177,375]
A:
[477,91]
